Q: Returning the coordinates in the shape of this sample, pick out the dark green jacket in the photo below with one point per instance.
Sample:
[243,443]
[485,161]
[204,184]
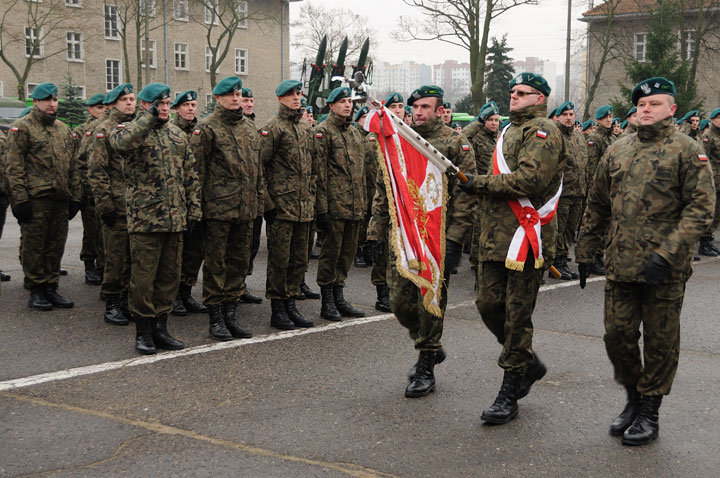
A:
[575,167]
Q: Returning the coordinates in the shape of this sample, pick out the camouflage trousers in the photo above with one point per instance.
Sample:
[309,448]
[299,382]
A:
[192,257]
[255,247]
[506,300]
[378,275]
[227,256]
[569,213]
[155,273]
[287,258]
[116,276]
[42,241]
[338,252]
[627,305]
[92,242]
[406,302]
[3,213]
[716,218]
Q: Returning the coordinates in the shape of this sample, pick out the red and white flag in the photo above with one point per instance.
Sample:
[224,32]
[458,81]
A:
[417,202]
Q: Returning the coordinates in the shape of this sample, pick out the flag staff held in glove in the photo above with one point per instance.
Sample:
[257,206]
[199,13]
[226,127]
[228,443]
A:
[654,209]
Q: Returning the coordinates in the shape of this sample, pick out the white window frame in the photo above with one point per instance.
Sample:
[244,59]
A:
[178,53]
[32,34]
[687,52]
[180,6]
[242,11]
[209,99]
[73,3]
[2,89]
[81,96]
[112,25]
[71,43]
[637,44]
[153,53]
[239,58]
[141,7]
[113,84]
[208,58]
[30,87]
[210,16]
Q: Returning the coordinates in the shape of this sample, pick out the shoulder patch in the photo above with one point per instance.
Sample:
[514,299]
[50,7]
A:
[318,135]
[196,132]
[371,138]
[88,133]
[100,135]
[705,140]
[541,134]
[74,135]
[466,147]
[14,129]
[264,133]
[120,126]
[702,157]
[590,143]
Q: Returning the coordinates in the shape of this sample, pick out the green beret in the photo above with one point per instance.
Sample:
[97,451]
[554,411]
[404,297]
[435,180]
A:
[154,91]
[426,91]
[228,85]
[552,114]
[615,120]
[652,86]
[25,112]
[309,109]
[624,124]
[117,92]
[587,124]
[631,111]
[184,97]
[322,118]
[487,110]
[714,113]
[247,93]
[504,123]
[287,86]
[362,111]
[567,106]
[408,110]
[692,113]
[703,124]
[394,98]
[447,106]
[303,102]
[603,111]
[43,91]
[95,100]
[339,93]
[533,80]
[578,122]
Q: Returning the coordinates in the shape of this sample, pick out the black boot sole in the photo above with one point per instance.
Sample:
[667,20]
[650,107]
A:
[146,351]
[63,306]
[169,347]
[619,431]
[43,308]
[354,315]
[424,393]
[499,421]
[627,442]
[283,326]
[382,308]
[119,322]
[333,318]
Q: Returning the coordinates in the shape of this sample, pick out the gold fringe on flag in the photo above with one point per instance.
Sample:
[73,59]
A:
[514,265]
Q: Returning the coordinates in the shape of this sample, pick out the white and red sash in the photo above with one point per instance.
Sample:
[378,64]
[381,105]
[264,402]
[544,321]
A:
[528,232]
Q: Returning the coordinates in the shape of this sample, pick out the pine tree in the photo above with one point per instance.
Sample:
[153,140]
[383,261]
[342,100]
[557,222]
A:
[500,72]
[464,105]
[72,110]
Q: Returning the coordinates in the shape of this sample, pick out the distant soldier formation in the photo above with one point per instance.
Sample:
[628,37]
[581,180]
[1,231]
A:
[163,195]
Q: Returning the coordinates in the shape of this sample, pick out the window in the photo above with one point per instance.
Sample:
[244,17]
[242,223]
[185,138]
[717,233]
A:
[150,5]
[33,42]
[242,12]
[31,88]
[241,66]
[210,13]
[640,46]
[180,10]
[181,56]
[2,89]
[208,58]
[148,53]
[111,22]
[112,74]
[80,90]
[74,46]
[688,45]
[73,3]
[209,100]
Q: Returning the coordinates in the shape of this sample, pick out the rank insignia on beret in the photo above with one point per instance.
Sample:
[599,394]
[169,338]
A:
[189,97]
[645,88]
[88,133]
[702,157]
[541,134]
[126,91]
[14,129]
[100,135]
[466,147]
[318,135]
[264,133]
[197,131]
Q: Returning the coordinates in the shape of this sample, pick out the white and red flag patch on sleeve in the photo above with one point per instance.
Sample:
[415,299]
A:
[14,129]
[318,135]
[264,133]
[541,134]
[702,157]
[100,135]
[466,147]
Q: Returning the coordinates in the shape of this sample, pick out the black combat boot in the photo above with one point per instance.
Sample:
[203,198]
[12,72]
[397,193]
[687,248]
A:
[711,239]
[343,306]
[56,299]
[360,260]
[560,264]
[295,316]
[178,307]
[626,417]
[91,275]
[279,318]
[645,427]
[505,407]
[144,336]
[113,314]
[706,248]
[38,300]
[190,304]
[327,309]
[125,304]
[218,329]
[4,277]
[598,267]
[231,322]
[440,356]
[383,298]
[535,372]
[423,382]
[308,292]
[161,336]
[248,298]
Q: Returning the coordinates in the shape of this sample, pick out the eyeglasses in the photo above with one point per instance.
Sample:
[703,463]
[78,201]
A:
[521,93]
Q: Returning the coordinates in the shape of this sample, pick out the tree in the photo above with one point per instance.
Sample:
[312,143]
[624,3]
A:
[465,23]
[464,105]
[73,110]
[500,72]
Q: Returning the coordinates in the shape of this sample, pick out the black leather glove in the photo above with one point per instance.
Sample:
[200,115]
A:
[109,218]
[323,221]
[583,272]
[155,112]
[656,269]
[73,209]
[453,253]
[23,212]
[377,249]
[192,226]
[468,187]
[270,216]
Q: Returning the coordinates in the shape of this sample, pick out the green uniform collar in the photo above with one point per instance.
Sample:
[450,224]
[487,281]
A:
[661,129]
[714,129]
[490,134]
[339,121]
[119,116]
[566,130]
[229,116]
[184,124]
[526,114]
[290,114]
[42,118]
[602,130]
[428,128]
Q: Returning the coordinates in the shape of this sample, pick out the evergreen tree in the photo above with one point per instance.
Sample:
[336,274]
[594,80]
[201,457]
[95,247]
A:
[499,73]
[464,105]
[72,110]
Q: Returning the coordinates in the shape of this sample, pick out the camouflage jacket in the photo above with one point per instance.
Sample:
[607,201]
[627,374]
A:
[340,156]
[227,148]
[574,171]
[597,143]
[687,129]
[186,126]
[39,160]
[483,142]
[105,167]
[162,188]
[84,141]
[3,181]
[460,213]
[629,129]
[288,167]
[533,150]
[653,192]
[711,144]
[371,169]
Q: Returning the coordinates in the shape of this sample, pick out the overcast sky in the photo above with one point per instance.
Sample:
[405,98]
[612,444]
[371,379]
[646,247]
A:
[532,30]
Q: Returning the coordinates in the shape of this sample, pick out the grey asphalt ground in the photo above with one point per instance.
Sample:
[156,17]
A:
[330,403]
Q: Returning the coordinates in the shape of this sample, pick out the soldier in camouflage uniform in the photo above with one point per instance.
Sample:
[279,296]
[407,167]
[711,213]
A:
[185,106]
[406,301]
[631,118]
[362,254]
[45,192]
[570,207]
[290,176]
[710,141]
[340,155]
[508,286]
[106,177]
[92,253]
[690,123]
[654,191]
[4,197]
[162,201]
[227,148]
